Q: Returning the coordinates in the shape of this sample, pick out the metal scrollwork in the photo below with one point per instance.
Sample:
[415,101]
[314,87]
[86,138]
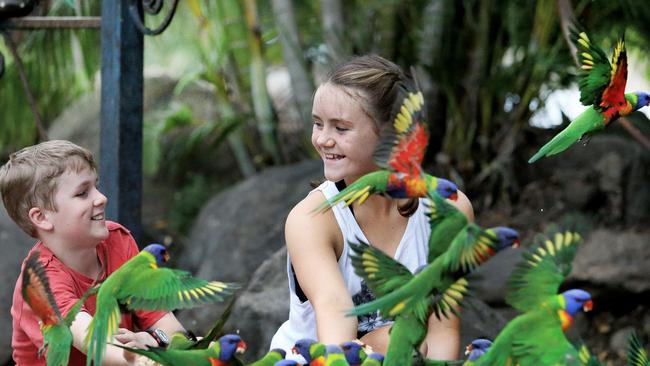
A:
[151,7]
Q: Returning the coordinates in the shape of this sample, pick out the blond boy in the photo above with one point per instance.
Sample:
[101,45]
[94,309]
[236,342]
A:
[50,191]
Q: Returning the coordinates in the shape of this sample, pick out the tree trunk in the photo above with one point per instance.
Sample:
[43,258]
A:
[332,20]
[260,96]
[301,83]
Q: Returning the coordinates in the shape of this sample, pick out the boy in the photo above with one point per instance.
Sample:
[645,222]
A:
[50,191]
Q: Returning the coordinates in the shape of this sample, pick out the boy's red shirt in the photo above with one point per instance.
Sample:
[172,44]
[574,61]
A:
[68,286]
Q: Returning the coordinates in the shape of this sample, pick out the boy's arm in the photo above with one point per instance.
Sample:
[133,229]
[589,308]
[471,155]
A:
[169,324]
[112,357]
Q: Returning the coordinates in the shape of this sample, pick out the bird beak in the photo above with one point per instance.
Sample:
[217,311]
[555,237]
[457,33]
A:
[454,196]
[294,350]
[516,243]
[588,306]
[166,257]
[241,347]
[468,349]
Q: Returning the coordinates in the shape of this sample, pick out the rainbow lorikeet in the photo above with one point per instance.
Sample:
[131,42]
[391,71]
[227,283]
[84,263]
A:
[270,358]
[57,337]
[399,153]
[220,353]
[602,89]
[354,353]
[536,337]
[313,352]
[334,356]
[140,284]
[288,363]
[636,354]
[438,287]
[473,351]
[373,359]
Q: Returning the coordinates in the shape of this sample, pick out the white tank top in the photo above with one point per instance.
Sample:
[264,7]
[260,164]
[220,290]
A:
[411,252]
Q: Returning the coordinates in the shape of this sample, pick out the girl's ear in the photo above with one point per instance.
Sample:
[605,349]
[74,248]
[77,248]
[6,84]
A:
[39,219]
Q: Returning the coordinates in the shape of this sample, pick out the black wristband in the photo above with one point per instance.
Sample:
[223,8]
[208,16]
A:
[159,336]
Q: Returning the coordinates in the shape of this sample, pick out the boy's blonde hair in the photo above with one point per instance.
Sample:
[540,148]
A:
[29,178]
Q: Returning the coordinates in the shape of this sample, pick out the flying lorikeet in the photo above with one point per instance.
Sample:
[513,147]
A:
[439,287]
[602,89]
[288,363]
[313,352]
[473,351]
[57,337]
[536,337]
[636,354]
[334,356]
[354,353]
[140,284]
[221,353]
[399,153]
[270,358]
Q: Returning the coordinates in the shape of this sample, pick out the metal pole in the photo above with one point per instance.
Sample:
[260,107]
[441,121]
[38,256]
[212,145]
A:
[121,115]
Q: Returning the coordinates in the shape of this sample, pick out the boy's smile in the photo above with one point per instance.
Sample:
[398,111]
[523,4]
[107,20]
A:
[79,216]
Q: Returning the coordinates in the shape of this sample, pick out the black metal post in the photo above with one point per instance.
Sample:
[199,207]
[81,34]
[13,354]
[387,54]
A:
[121,115]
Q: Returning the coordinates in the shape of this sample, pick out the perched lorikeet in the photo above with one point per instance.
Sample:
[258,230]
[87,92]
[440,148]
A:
[140,284]
[57,337]
[399,153]
[477,348]
[334,356]
[313,352]
[373,359]
[288,363]
[636,354]
[438,287]
[354,353]
[270,358]
[536,337]
[221,353]
[602,88]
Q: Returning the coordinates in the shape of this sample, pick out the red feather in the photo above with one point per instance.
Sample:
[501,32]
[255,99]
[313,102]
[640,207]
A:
[613,98]
[408,154]
[36,291]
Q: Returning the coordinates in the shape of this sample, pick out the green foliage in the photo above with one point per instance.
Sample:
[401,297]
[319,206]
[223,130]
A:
[187,201]
[59,66]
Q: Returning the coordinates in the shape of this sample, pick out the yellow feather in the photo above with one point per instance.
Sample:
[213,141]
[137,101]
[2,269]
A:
[364,197]
[397,308]
[550,247]
[542,252]
[586,67]
[588,62]
[587,56]
[194,294]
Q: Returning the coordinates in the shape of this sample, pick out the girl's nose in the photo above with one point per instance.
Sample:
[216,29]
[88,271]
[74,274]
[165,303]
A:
[325,140]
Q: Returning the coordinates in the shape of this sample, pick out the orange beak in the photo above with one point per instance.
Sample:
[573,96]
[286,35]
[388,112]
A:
[588,306]
[241,347]
[453,196]
[516,243]
[166,257]
[468,349]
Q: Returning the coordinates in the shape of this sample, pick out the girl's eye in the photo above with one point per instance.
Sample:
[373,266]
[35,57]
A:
[342,129]
[318,124]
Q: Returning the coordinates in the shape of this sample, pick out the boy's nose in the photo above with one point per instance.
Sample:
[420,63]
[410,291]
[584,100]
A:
[100,200]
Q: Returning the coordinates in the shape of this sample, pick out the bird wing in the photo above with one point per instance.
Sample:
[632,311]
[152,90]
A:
[636,354]
[37,292]
[445,221]
[403,142]
[602,84]
[155,288]
[543,269]
[469,248]
[382,273]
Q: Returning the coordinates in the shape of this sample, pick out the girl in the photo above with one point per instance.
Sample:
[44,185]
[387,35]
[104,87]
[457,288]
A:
[349,110]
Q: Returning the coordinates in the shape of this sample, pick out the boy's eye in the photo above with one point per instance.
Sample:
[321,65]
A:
[81,194]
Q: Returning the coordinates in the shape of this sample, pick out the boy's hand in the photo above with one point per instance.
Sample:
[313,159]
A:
[140,340]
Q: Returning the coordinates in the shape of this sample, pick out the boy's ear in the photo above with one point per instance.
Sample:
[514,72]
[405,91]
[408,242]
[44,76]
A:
[39,219]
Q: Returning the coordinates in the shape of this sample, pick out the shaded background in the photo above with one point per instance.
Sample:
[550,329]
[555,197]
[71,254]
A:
[226,138]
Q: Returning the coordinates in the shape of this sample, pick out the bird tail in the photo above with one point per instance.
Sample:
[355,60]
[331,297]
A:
[100,327]
[358,191]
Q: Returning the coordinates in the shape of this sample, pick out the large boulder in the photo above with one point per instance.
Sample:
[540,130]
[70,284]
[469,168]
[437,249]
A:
[241,227]
[15,245]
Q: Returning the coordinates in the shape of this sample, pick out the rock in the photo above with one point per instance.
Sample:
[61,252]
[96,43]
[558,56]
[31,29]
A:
[15,243]
[614,259]
[618,341]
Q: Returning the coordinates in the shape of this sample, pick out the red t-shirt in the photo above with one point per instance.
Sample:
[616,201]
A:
[68,286]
